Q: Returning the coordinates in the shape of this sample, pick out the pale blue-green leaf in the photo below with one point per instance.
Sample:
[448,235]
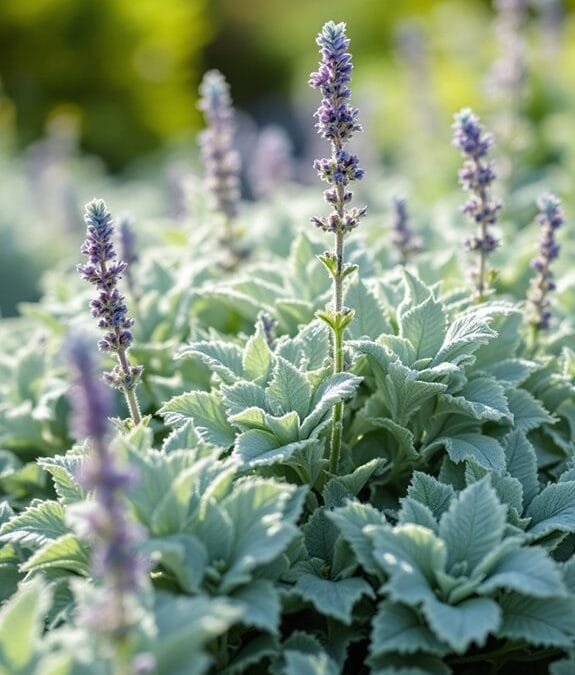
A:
[484,450]
[185,625]
[369,320]
[398,628]
[320,535]
[224,358]
[156,473]
[260,605]
[313,345]
[65,552]
[415,292]
[333,389]
[64,469]
[284,428]
[529,571]
[297,663]
[355,481]
[528,413]
[259,448]
[508,489]
[249,418]
[241,395]
[416,513]
[543,622]
[553,509]
[469,622]
[288,390]
[482,398]
[350,520]
[465,335]
[257,356]
[505,319]
[215,530]
[430,492]
[183,555]
[257,509]
[180,499]
[522,463]
[21,627]
[405,394]
[424,326]
[334,599]
[411,555]
[207,413]
[473,525]
[512,371]
[36,525]
[399,347]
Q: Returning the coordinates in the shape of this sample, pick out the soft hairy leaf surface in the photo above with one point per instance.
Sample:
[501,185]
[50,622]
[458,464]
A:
[473,525]
[398,628]
[553,509]
[538,621]
[333,598]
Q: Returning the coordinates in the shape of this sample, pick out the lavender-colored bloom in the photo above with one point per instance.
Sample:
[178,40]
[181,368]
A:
[402,235]
[128,251]
[550,218]
[271,164]
[104,521]
[221,160]
[476,177]
[104,270]
[336,122]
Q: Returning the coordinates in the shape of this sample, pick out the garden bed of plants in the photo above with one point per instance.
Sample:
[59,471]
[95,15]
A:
[291,438]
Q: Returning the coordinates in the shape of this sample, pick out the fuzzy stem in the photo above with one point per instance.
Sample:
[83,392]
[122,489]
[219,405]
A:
[336,424]
[130,394]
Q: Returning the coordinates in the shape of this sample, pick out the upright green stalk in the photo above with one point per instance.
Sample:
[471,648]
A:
[337,121]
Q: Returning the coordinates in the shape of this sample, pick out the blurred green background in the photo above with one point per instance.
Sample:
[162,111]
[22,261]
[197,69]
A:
[93,88]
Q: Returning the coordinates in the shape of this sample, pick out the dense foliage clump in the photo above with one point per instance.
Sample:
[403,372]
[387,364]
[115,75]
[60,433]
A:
[369,470]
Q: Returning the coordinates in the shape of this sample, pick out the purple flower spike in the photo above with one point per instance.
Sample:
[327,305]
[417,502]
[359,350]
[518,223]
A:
[336,122]
[104,270]
[550,218]
[402,236]
[476,177]
[104,520]
[222,162]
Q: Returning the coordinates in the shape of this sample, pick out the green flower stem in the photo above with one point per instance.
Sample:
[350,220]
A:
[338,330]
[130,394]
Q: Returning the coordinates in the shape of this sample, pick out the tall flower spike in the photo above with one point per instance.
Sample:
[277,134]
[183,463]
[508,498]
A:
[221,161]
[476,177]
[271,165]
[402,236]
[336,122]
[103,269]
[104,521]
[128,252]
[550,218]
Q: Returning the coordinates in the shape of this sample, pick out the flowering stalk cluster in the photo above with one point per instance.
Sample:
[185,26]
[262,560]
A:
[476,177]
[104,269]
[402,236]
[104,521]
[336,122]
[221,161]
[550,218]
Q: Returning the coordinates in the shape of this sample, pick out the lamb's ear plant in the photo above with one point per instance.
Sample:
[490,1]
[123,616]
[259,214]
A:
[337,122]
